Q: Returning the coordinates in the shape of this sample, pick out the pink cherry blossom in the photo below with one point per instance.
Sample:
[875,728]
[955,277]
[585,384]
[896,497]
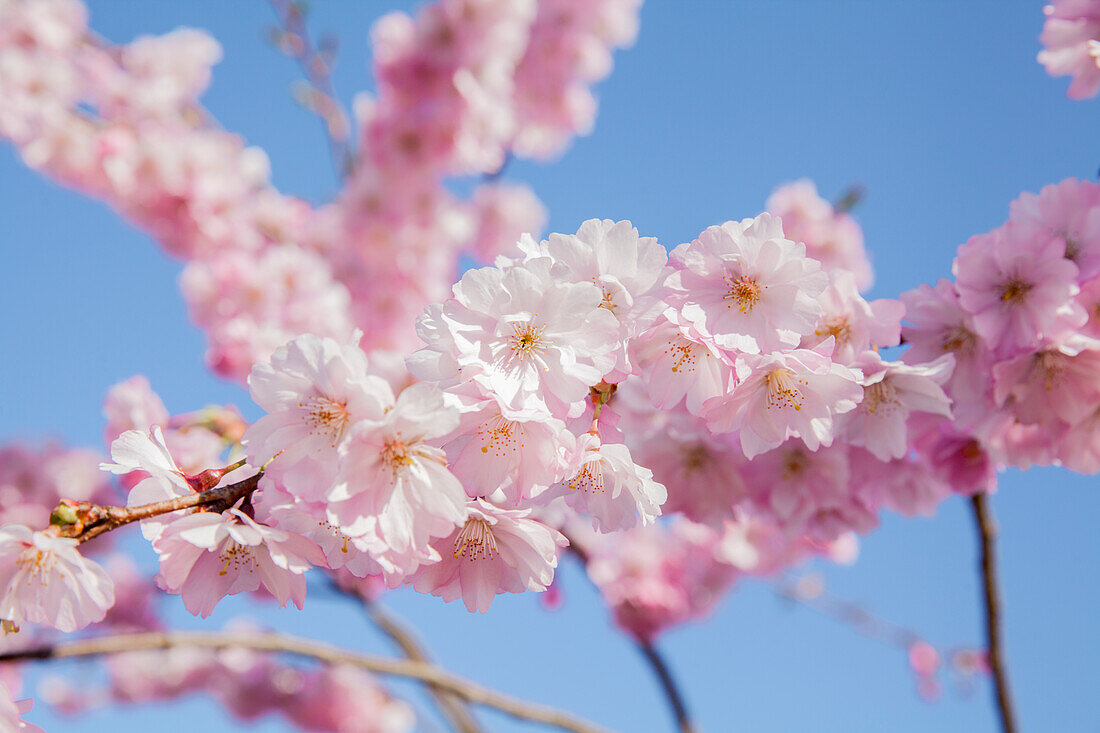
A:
[680,364]
[206,556]
[747,286]
[891,391]
[393,481]
[854,324]
[1018,288]
[1060,381]
[520,453]
[658,576]
[809,493]
[527,338]
[626,267]
[1070,29]
[785,394]
[701,472]
[495,551]
[44,579]
[313,390]
[1069,210]
[607,484]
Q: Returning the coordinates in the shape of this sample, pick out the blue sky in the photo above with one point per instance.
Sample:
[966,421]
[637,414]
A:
[939,109]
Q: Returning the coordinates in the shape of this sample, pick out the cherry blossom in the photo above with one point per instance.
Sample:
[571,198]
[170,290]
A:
[393,483]
[495,551]
[783,394]
[206,556]
[313,390]
[747,286]
[44,579]
[606,483]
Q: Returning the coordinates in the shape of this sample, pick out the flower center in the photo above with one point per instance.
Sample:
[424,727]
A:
[326,417]
[683,354]
[839,328]
[695,457]
[526,341]
[236,557]
[475,541]
[880,395]
[783,389]
[744,292]
[395,454]
[1015,290]
[957,339]
[1050,365]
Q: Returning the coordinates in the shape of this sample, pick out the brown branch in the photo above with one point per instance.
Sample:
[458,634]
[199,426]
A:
[326,653]
[94,519]
[652,656]
[668,684]
[987,531]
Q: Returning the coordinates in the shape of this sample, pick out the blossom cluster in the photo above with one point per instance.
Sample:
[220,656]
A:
[461,87]
[1020,318]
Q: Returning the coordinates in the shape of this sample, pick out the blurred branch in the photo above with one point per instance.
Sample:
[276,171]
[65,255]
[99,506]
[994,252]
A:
[653,658]
[668,684]
[987,532]
[319,95]
[319,651]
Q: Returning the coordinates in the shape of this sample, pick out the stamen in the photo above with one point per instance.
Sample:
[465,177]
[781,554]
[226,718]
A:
[589,479]
[744,291]
[475,541]
[500,435]
[526,341]
[839,328]
[395,454]
[1015,290]
[880,395]
[783,390]
[326,417]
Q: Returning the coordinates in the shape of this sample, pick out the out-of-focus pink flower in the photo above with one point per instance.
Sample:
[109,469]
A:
[1069,34]
[12,712]
[43,579]
[832,238]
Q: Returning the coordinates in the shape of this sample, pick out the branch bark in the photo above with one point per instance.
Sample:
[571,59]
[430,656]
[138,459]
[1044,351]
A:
[95,519]
[668,684]
[319,651]
[987,532]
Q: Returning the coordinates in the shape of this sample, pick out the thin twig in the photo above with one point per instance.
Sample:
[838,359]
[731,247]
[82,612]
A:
[318,74]
[987,531]
[320,651]
[96,519]
[653,658]
[668,684]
